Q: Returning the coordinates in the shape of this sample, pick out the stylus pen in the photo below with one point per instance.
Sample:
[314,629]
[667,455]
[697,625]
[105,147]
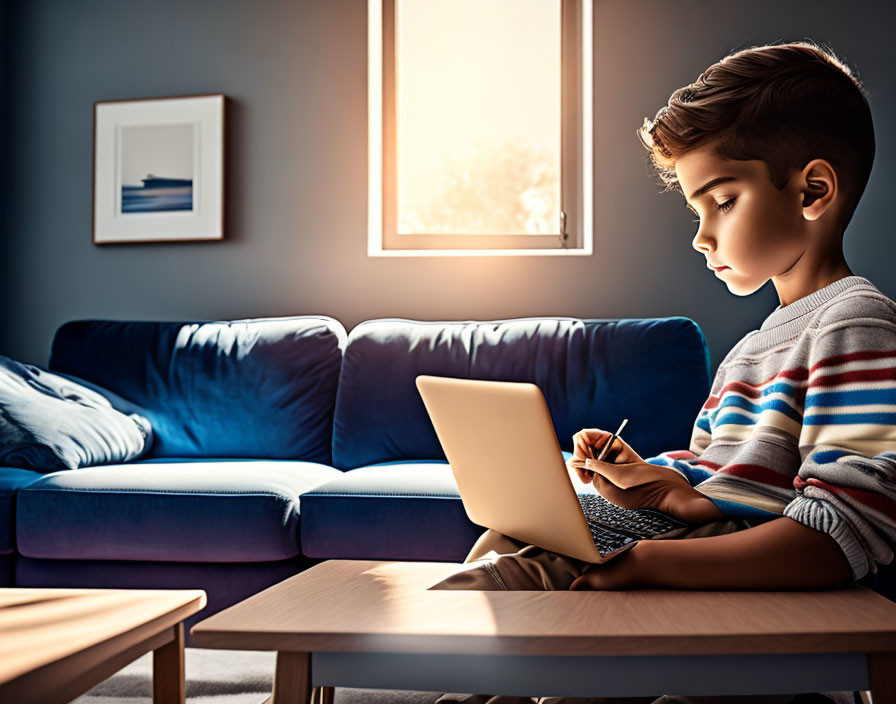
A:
[608,443]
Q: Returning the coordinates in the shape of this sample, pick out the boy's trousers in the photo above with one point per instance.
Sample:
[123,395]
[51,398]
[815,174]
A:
[498,562]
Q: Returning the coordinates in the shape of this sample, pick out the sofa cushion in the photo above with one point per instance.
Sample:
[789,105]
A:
[177,510]
[50,422]
[391,511]
[11,480]
[593,373]
[260,388]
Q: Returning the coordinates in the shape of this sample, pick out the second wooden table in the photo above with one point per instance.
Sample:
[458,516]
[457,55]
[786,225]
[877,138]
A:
[55,644]
[378,625]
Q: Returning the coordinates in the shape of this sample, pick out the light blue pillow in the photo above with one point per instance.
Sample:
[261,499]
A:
[50,422]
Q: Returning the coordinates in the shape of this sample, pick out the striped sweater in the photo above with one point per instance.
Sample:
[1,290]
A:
[801,421]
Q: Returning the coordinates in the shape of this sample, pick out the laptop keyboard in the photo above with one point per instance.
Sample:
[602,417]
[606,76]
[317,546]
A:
[613,527]
[607,541]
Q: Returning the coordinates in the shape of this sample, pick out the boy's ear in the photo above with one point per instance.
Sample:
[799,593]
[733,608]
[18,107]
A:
[818,186]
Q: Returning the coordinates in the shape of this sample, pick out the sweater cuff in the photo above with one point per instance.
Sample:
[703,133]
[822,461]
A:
[820,515]
[692,475]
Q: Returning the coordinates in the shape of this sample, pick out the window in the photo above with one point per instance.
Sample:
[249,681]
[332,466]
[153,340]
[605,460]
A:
[480,127]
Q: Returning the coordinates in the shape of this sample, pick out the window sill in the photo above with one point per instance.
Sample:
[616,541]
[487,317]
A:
[480,253]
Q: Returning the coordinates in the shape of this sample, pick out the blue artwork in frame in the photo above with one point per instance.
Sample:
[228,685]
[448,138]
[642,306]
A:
[159,169]
[156,168]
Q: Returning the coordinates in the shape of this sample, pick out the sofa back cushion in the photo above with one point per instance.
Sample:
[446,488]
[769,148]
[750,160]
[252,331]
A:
[260,388]
[593,373]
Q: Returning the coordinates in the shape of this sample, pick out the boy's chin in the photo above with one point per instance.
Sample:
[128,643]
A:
[744,288]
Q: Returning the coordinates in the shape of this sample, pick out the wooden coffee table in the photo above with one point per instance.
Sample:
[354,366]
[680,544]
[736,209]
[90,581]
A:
[378,625]
[55,644]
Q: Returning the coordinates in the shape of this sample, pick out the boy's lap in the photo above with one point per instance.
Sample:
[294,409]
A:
[529,568]
[497,562]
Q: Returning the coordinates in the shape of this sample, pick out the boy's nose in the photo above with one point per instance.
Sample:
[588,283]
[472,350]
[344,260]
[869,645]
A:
[703,243]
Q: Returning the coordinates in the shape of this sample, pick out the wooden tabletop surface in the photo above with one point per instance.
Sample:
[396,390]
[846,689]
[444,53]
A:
[80,627]
[367,606]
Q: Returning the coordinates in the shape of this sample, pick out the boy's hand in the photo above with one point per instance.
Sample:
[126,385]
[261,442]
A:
[642,485]
[622,572]
[630,482]
[585,446]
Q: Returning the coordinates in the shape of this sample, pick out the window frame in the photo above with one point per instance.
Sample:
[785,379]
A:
[576,179]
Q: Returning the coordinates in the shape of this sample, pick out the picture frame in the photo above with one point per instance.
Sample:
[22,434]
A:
[158,169]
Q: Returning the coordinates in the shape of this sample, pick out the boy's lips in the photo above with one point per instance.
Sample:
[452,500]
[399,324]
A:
[717,267]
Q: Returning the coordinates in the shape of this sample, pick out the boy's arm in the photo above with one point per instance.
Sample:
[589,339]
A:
[681,462]
[779,554]
[846,485]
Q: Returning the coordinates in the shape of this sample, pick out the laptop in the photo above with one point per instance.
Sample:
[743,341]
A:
[503,451]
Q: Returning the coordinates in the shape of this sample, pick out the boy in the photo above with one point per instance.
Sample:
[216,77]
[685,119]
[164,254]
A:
[772,148]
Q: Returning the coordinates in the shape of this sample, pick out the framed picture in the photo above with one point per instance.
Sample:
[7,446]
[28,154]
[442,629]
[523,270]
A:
[158,169]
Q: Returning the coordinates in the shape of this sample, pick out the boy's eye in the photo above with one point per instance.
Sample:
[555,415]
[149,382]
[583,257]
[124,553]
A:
[724,207]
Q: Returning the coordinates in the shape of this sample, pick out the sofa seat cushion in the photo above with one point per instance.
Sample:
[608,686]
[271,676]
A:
[11,480]
[390,511]
[177,510]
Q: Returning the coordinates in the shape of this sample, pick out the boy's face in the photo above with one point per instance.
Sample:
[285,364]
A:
[748,226]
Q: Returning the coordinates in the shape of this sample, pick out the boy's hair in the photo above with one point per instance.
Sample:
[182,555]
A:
[784,104]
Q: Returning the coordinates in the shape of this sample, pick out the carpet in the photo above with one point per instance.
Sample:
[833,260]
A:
[226,677]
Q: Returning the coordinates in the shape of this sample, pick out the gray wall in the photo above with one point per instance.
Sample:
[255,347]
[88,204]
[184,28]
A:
[296,196]
[3,50]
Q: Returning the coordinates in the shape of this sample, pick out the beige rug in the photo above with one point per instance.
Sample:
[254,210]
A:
[226,677]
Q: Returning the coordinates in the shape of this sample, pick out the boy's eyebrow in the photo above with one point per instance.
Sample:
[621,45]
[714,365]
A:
[711,184]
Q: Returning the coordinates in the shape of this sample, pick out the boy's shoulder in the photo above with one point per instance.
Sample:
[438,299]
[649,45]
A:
[862,302]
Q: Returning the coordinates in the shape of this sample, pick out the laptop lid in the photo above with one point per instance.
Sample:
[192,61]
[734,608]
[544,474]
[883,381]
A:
[503,451]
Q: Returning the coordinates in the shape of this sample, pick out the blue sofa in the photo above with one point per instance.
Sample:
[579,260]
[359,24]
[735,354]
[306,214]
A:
[280,442]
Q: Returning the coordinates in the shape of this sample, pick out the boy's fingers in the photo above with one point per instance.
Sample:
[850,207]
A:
[589,437]
[619,452]
[588,580]
[582,446]
[579,466]
[620,475]
[597,436]
[629,475]
[581,582]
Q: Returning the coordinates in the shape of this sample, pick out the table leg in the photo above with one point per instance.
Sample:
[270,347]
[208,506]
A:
[882,671]
[168,670]
[292,678]
[326,695]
